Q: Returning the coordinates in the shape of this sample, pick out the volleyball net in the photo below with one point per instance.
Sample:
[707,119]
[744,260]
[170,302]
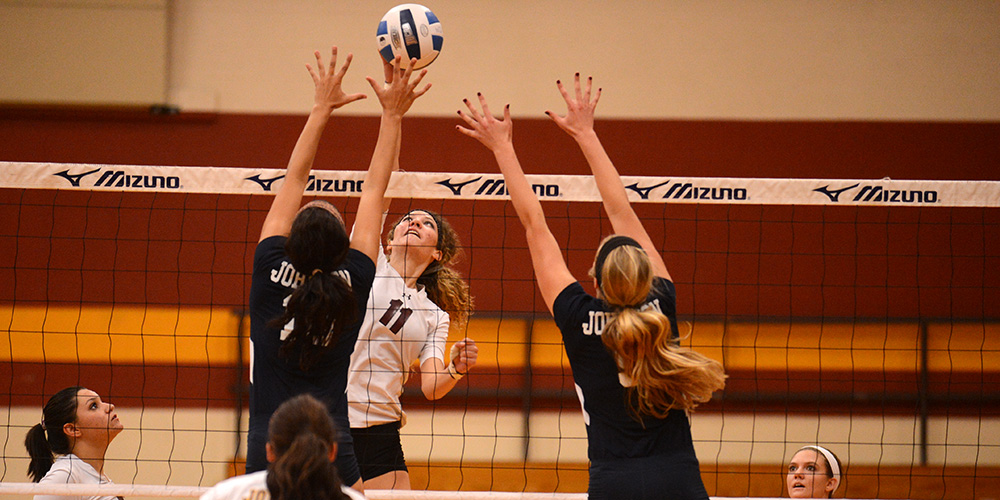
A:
[862,315]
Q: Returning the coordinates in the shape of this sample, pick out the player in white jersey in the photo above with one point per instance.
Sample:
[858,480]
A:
[406,324]
[301,448]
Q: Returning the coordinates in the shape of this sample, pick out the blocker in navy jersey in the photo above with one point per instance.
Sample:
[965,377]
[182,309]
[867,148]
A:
[274,379]
[631,456]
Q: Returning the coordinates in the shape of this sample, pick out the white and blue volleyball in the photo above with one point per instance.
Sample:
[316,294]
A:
[412,31]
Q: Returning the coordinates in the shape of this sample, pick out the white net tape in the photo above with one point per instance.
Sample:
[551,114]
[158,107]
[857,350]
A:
[437,185]
[195,491]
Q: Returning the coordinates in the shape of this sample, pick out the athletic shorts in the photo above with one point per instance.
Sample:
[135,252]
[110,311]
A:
[665,477]
[378,449]
[346,462]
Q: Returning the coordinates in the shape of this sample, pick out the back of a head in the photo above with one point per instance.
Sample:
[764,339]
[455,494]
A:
[317,246]
[47,437]
[665,375]
[302,434]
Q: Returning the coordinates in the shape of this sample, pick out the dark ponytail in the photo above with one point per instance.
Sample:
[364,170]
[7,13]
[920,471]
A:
[59,411]
[323,304]
[301,434]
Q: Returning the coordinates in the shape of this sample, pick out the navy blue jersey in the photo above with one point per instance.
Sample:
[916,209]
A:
[613,430]
[275,379]
[631,458]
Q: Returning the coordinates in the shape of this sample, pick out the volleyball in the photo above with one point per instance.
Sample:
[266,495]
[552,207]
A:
[412,31]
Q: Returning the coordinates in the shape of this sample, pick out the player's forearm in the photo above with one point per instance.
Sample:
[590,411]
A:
[301,161]
[609,183]
[526,204]
[439,385]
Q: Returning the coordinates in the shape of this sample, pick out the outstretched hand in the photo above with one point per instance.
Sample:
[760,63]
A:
[400,89]
[580,107]
[493,133]
[328,81]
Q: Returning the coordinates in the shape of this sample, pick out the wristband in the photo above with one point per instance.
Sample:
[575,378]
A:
[454,371]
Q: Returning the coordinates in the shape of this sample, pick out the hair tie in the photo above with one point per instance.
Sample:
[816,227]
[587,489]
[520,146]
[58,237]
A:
[831,462]
[612,243]
[315,272]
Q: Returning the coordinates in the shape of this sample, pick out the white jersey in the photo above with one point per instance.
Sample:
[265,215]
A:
[401,326]
[254,487]
[70,469]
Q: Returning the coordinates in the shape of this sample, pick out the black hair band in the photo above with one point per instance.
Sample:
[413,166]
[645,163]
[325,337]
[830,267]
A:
[612,243]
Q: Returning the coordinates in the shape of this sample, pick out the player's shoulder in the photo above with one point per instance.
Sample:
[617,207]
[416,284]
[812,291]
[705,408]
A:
[237,487]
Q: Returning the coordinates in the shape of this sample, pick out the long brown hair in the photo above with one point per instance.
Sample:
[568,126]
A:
[445,286]
[301,434]
[665,375]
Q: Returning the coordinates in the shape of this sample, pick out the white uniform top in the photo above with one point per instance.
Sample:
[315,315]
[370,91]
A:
[70,469]
[254,487]
[401,326]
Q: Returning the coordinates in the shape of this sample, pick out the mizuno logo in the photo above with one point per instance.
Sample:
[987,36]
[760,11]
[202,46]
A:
[456,188]
[334,185]
[492,187]
[265,184]
[688,191]
[74,179]
[879,194]
[644,191]
[497,187]
[118,178]
[834,195]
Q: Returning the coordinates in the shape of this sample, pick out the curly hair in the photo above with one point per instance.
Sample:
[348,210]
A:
[445,286]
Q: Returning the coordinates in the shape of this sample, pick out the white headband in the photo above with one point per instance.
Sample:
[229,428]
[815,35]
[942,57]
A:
[831,463]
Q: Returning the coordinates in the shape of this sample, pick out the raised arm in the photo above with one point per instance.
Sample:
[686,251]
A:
[329,96]
[396,98]
[497,135]
[579,124]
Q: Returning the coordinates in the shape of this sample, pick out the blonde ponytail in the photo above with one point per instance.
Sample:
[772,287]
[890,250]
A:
[664,376]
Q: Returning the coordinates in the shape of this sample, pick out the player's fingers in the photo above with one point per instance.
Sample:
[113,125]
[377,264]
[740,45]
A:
[562,90]
[473,112]
[422,91]
[409,68]
[597,97]
[375,85]
[466,131]
[347,64]
[333,59]
[484,105]
[420,76]
[355,97]
[320,68]
[576,86]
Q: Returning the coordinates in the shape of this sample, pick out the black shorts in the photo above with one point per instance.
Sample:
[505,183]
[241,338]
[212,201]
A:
[663,477]
[378,449]
[346,462]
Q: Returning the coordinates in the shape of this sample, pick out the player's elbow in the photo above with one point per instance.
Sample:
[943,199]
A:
[432,392]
